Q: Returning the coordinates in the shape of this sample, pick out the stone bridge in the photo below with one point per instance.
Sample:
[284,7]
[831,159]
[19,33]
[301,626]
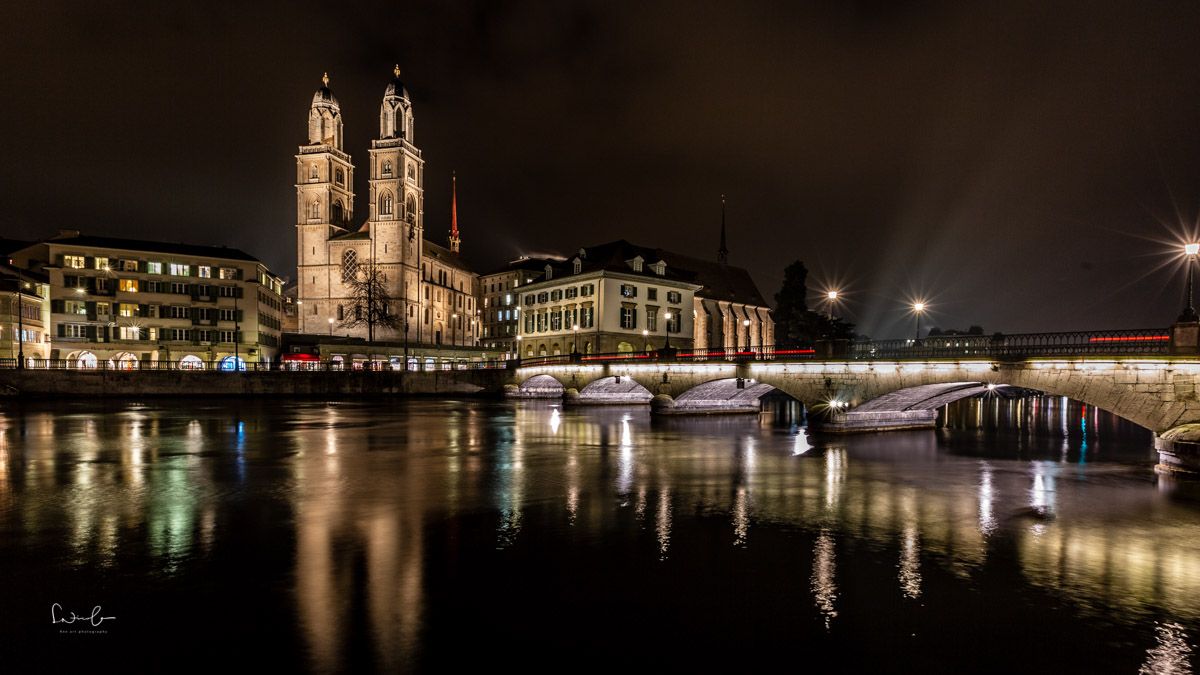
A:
[1158,393]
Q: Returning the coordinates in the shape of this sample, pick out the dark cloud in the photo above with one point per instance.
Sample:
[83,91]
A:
[1020,165]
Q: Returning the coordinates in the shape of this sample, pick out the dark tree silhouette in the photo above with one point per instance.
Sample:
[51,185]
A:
[795,323]
[370,302]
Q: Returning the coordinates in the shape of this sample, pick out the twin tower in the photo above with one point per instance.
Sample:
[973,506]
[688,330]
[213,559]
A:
[330,247]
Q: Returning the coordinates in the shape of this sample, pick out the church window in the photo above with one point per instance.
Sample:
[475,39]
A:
[412,171]
[341,313]
[338,214]
[312,172]
[349,264]
[387,168]
[314,209]
[410,210]
[339,176]
[385,204]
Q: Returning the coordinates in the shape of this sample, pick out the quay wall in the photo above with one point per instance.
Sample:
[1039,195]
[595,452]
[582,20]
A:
[117,383]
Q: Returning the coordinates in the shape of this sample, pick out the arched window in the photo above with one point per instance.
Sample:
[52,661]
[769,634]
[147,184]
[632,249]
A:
[338,214]
[314,209]
[385,204]
[349,265]
[387,168]
[410,210]
[339,176]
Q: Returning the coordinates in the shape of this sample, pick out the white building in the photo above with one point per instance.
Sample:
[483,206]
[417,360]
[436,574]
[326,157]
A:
[619,297]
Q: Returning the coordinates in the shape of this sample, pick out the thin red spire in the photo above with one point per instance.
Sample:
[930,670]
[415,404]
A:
[454,238]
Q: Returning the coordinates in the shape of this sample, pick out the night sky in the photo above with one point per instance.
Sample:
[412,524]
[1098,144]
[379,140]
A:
[1026,166]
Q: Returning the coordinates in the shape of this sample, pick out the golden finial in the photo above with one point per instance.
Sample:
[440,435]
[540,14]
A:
[325,79]
[396,70]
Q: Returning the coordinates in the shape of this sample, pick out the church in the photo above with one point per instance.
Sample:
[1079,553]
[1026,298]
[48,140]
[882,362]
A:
[422,293]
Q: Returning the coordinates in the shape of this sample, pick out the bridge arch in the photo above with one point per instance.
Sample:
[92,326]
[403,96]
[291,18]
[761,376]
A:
[724,395]
[538,386]
[613,389]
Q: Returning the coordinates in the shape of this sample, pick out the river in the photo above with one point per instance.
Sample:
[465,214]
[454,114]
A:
[438,535]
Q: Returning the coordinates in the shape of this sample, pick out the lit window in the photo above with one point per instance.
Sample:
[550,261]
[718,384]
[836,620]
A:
[100,263]
[228,273]
[205,271]
[674,297]
[154,267]
[73,261]
[175,269]
[628,291]
[128,285]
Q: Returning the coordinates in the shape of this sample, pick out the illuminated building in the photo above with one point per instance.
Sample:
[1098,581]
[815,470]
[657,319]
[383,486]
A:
[427,284]
[126,301]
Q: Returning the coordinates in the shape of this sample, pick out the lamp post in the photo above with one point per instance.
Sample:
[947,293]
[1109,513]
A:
[20,323]
[453,320]
[1189,310]
[831,298]
[646,338]
[918,309]
[667,331]
[746,325]
[575,339]
[331,326]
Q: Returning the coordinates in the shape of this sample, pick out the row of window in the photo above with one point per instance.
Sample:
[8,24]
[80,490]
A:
[93,309]
[556,320]
[80,262]
[631,291]
[629,319]
[586,290]
[150,333]
[93,284]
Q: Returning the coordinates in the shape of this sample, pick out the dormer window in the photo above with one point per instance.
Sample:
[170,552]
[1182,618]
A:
[636,263]
[578,265]
[549,272]
[660,268]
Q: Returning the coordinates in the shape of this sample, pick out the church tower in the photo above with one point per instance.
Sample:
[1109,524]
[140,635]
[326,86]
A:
[397,214]
[324,204]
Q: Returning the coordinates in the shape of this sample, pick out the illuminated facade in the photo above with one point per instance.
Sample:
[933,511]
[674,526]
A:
[427,284]
[620,297]
[122,302]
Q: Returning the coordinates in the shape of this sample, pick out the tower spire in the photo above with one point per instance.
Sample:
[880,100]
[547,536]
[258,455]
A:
[455,240]
[723,252]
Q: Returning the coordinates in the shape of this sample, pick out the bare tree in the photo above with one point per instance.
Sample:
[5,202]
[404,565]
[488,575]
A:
[370,302]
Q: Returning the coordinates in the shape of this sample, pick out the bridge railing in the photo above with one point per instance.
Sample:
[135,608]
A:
[251,366]
[1136,342]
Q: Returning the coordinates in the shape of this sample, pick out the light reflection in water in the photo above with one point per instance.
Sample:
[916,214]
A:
[1171,655]
[370,499]
[910,564]
[824,587]
[662,522]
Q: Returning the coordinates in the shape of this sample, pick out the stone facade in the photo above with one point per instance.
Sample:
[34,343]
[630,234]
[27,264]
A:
[128,302]
[428,285]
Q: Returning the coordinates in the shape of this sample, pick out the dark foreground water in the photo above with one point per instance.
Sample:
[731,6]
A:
[453,535]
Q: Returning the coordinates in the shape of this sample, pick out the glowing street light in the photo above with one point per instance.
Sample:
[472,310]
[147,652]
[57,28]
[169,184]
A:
[918,309]
[1189,311]
[667,330]
[575,341]
[646,338]
[331,325]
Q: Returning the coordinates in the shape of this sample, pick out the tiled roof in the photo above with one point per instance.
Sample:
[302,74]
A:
[154,246]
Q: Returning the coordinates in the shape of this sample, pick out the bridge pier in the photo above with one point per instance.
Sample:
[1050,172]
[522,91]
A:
[1179,451]
[853,421]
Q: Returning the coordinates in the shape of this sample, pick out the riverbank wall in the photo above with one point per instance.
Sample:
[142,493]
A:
[116,383]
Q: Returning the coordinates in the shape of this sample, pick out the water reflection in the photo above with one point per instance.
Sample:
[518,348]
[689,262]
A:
[382,530]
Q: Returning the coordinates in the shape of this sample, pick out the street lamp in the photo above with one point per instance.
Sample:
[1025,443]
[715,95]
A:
[331,326]
[918,309]
[1189,311]
[667,330]
[453,320]
[746,325]
[575,340]
[646,338]
[831,299]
